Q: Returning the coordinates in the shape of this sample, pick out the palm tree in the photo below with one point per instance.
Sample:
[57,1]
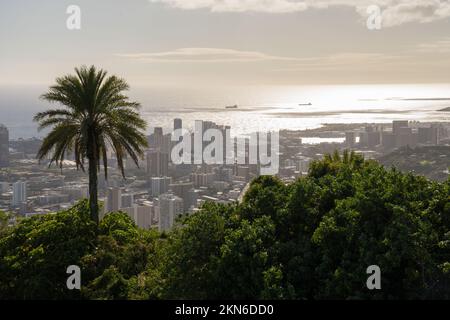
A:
[97,116]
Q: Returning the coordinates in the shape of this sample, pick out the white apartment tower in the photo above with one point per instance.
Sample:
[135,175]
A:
[113,199]
[170,207]
[19,193]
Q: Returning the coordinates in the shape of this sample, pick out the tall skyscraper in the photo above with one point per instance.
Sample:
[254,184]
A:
[388,140]
[156,139]
[157,163]
[404,137]
[4,186]
[159,185]
[200,128]
[19,193]
[170,207]
[428,135]
[141,215]
[182,190]
[397,125]
[371,137]
[144,217]
[4,147]
[177,124]
[114,199]
[350,139]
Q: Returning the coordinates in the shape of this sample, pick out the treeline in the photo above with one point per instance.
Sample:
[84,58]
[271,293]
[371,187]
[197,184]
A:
[312,239]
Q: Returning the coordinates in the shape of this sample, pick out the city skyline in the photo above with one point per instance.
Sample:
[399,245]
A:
[29,187]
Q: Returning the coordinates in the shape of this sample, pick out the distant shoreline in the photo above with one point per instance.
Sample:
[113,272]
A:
[326,130]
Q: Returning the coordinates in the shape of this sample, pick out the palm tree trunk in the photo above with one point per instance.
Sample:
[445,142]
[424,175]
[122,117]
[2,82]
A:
[93,196]
[93,180]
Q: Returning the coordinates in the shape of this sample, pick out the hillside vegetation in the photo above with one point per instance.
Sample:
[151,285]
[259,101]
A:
[312,239]
[432,162]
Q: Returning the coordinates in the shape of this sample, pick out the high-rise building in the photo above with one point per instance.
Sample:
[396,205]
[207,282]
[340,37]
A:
[203,126]
[157,163]
[404,137]
[167,143]
[388,140]
[156,139]
[169,207]
[428,135]
[350,139]
[202,179]
[4,186]
[127,200]
[182,190]
[303,165]
[243,171]
[191,199]
[177,124]
[435,135]
[159,185]
[113,199]
[19,193]
[397,125]
[223,174]
[141,215]
[144,217]
[4,147]
[371,137]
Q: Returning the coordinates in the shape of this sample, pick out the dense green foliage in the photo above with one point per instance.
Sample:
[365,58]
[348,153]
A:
[34,256]
[4,218]
[312,239]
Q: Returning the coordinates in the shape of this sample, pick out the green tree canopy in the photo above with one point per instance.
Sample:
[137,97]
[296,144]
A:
[35,255]
[312,239]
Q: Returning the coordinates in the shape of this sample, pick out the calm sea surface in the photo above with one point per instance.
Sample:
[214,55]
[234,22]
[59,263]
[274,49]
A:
[260,108]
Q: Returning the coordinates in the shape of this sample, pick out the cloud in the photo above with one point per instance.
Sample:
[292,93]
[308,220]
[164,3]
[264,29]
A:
[220,55]
[394,12]
[338,61]
[202,55]
[416,63]
[398,12]
[345,61]
[270,6]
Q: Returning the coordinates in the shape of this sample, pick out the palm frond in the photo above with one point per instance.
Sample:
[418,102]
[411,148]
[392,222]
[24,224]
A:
[97,116]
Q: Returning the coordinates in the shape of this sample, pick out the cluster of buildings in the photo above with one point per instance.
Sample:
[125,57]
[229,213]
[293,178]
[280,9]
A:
[401,134]
[158,191]
[168,190]
[154,193]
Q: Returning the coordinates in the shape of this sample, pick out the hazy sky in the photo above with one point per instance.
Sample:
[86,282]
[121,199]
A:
[222,42]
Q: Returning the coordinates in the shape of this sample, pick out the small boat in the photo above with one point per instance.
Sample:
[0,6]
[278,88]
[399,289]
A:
[305,104]
[231,107]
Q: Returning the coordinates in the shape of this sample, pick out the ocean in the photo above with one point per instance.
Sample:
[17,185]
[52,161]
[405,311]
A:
[260,108]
